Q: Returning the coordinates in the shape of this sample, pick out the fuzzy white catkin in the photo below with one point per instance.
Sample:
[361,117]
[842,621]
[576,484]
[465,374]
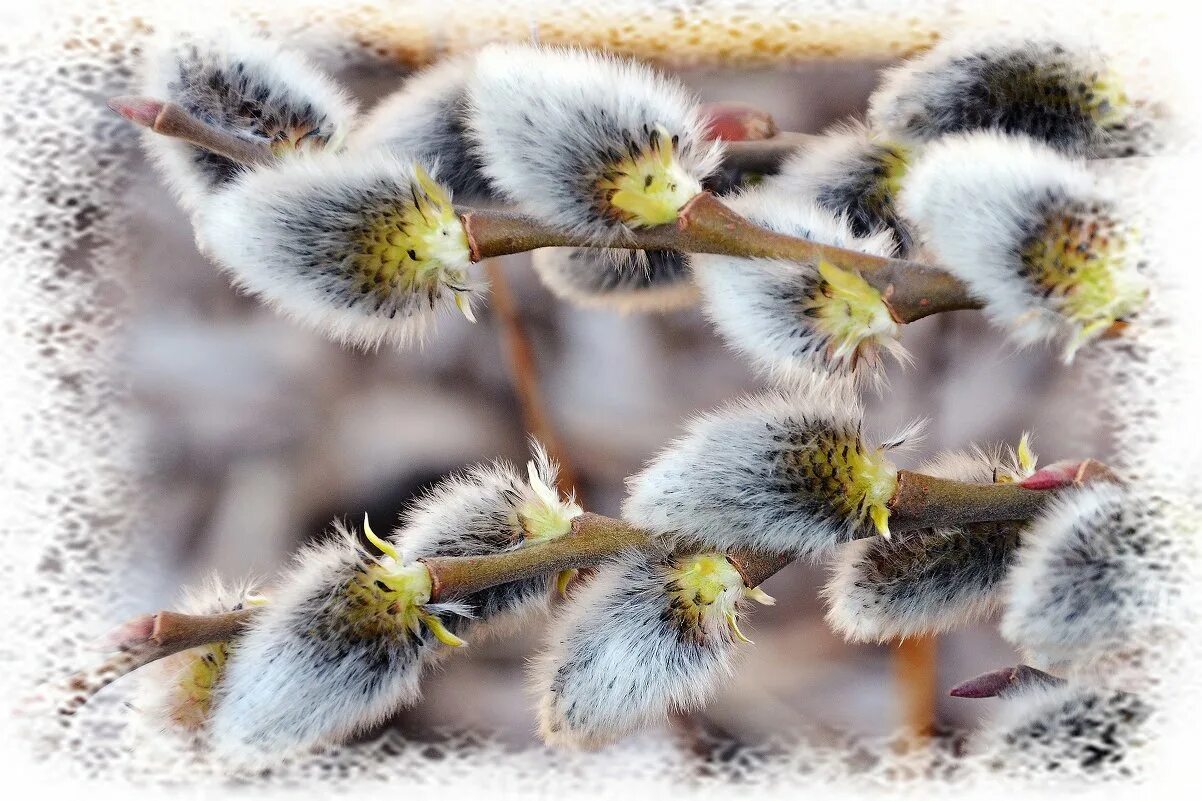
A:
[550,122]
[625,281]
[300,675]
[485,510]
[1072,730]
[759,306]
[978,200]
[167,692]
[1055,90]
[618,659]
[1094,577]
[926,581]
[304,237]
[751,475]
[426,121]
[247,86]
[852,172]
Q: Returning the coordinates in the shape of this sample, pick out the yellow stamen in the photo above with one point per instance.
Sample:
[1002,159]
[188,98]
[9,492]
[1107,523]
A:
[465,306]
[1080,262]
[545,516]
[417,246]
[385,546]
[1026,457]
[850,311]
[440,631]
[565,578]
[880,519]
[732,620]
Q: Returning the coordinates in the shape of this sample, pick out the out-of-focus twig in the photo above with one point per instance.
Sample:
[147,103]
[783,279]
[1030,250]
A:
[523,370]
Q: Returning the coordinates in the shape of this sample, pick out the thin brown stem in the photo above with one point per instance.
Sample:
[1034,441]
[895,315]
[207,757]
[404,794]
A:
[523,370]
[915,670]
[923,501]
[593,539]
[147,639]
[170,119]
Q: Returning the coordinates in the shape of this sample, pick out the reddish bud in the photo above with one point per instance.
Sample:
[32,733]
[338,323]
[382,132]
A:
[138,110]
[738,122]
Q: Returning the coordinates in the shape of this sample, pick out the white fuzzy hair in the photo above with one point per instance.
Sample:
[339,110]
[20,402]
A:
[299,677]
[839,170]
[1093,577]
[477,513]
[758,304]
[728,483]
[287,236]
[976,199]
[926,581]
[238,83]
[550,121]
[160,695]
[618,660]
[959,85]
[426,120]
[624,281]
[1072,729]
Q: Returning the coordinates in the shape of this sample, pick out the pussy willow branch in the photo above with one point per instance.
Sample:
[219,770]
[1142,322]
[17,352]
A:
[707,225]
[920,502]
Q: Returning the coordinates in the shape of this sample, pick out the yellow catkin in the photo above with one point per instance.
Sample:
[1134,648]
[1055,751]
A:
[835,466]
[1079,261]
[418,245]
[850,311]
[648,187]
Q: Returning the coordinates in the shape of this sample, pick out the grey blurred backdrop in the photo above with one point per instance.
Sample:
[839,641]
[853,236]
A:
[257,433]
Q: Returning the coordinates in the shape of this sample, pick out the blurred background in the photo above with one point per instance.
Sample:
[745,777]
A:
[256,433]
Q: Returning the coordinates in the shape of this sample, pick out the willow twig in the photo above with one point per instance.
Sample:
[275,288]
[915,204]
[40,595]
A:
[172,120]
[147,639]
[706,225]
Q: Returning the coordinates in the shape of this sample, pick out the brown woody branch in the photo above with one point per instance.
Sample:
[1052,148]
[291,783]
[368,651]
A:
[920,502]
[707,225]
[147,639]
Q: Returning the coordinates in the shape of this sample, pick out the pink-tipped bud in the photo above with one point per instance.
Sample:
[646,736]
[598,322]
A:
[1066,473]
[130,634]
[737,122]
[1054,476]
[138,110]
[1004,682]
